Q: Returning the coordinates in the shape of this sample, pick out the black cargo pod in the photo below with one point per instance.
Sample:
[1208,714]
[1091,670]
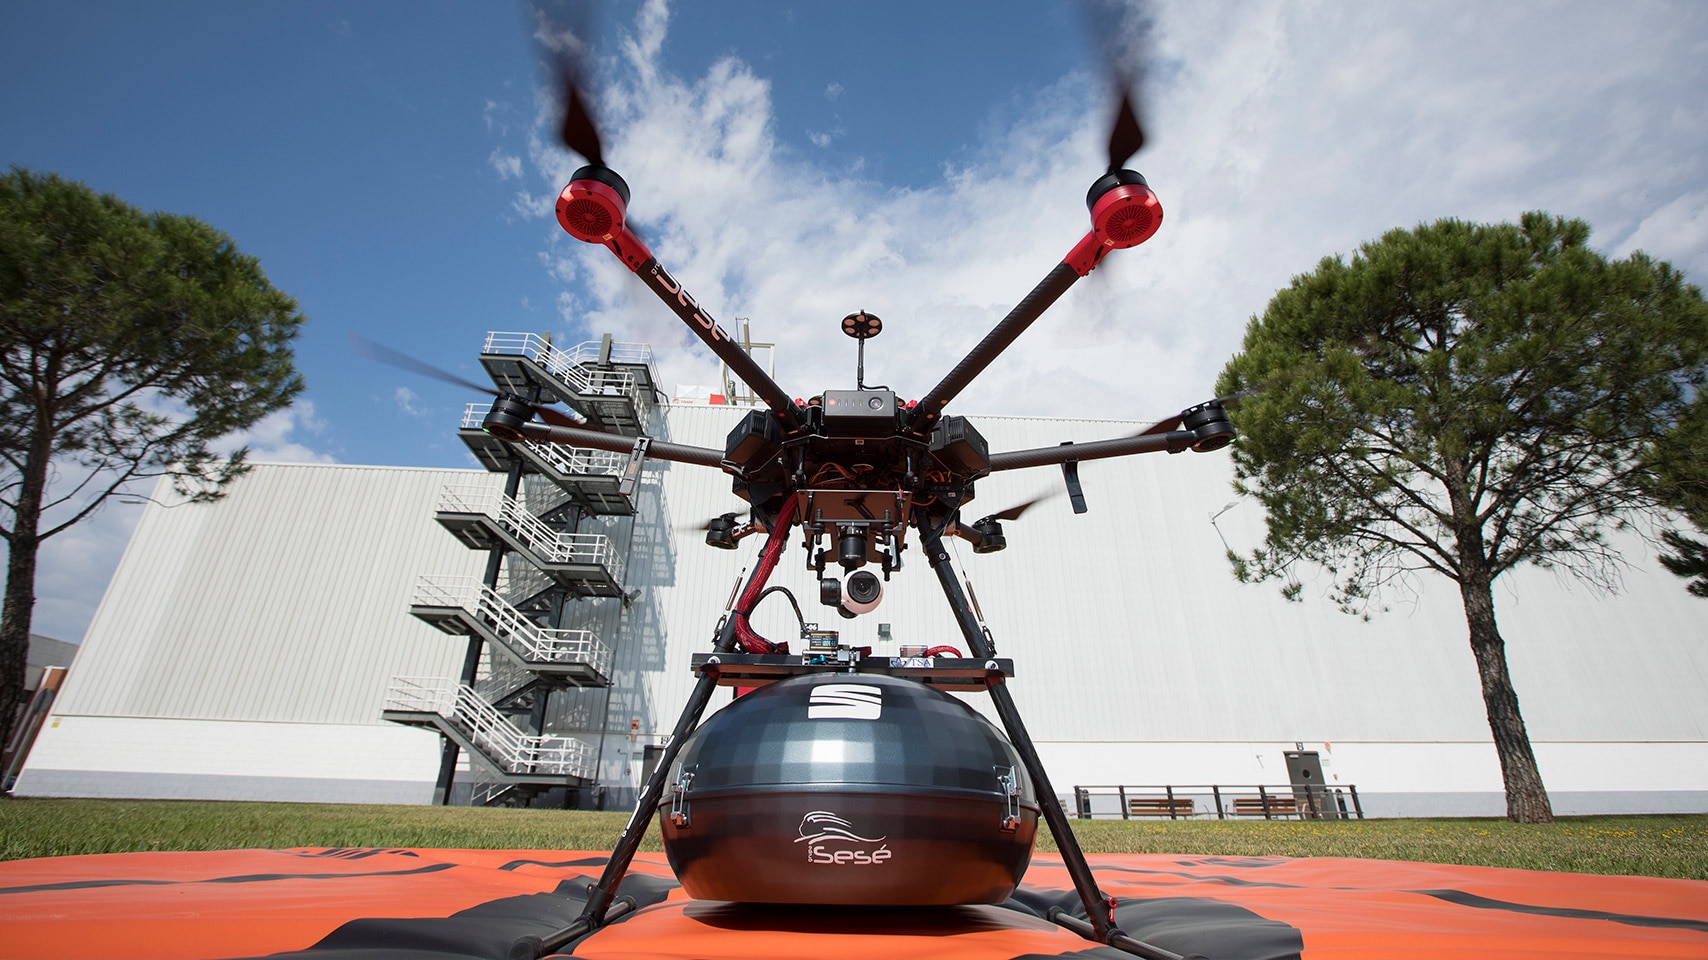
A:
[849,789]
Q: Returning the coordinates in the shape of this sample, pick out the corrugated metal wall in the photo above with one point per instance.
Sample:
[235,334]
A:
[1126,624]
[286,601]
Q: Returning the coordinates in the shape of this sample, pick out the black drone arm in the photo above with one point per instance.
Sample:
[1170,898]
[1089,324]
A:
[701,323]
[930,407]
[1206,428]
[1124,213]
[577,437]
[594,209]
[1173,441]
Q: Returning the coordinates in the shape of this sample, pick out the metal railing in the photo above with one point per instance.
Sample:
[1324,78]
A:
[502,677]
[551,546]
[537,643]
[1336,801]
[507,748]
[483,792]
[576,366]
[569,461]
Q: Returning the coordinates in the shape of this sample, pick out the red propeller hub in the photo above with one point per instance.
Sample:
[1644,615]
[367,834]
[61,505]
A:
[592,207]
[1124,210]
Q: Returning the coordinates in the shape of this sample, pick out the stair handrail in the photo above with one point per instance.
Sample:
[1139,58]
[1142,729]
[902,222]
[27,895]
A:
[422,695]
[538,644]
[545,543]
[511,750]
[569,461]
[587,351]
[581,376]
[503,677]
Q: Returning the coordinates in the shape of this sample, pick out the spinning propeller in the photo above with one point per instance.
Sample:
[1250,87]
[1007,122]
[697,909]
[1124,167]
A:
[380,353]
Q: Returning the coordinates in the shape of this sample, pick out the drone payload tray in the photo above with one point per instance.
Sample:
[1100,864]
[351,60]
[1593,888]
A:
[951,674]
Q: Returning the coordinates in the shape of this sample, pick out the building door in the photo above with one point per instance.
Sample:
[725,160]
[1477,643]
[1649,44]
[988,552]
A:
[649,762]
[1309,792]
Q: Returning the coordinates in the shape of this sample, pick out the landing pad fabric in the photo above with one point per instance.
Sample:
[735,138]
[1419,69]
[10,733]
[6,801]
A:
[345,903]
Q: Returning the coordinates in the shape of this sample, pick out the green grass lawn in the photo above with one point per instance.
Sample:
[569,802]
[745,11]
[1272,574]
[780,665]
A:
[1656,846]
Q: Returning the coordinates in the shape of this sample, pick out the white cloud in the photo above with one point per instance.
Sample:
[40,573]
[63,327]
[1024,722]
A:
[1278,136]
[833,91]
[1681,225]
[527,206]
[275,437]
[509,166]
[493,113]
[409,402]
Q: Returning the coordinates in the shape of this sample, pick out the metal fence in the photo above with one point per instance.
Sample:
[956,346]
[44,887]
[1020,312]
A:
[1337,801]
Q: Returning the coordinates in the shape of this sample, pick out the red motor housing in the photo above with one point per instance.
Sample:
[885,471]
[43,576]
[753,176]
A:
[1125,212]
[592,207]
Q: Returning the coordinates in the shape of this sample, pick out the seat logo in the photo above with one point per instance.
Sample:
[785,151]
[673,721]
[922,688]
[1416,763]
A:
[845,701]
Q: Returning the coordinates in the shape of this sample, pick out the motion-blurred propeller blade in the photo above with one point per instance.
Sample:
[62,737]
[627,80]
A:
[1232,399]
[1265,386]
[562,29]
[1120,31]
[579,132]
[1126,137]
[701,526]
[707,525]
[1014,512]
[1161,426]
[380,353]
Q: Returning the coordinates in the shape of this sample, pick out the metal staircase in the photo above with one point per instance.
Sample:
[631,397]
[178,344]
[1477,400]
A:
[590,477]
[458,712]
[465,606]
[519,618]
[511,688]
[586,564]
[609,383]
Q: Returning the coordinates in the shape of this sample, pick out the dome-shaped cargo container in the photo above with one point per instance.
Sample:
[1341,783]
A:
[849,789]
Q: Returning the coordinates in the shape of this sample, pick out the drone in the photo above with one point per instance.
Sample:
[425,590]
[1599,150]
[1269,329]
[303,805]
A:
[916,799]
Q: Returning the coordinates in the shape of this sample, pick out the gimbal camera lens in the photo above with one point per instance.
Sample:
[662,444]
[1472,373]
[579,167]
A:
[862,591]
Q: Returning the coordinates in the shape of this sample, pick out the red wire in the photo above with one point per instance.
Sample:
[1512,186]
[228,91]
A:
[776,539]
[934,651]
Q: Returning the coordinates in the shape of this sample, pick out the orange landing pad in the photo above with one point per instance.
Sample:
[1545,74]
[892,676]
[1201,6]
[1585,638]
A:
[343,904]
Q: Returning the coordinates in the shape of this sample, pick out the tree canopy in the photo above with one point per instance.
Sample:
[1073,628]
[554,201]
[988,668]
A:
[130,343]
[1460,399]
[1679,471]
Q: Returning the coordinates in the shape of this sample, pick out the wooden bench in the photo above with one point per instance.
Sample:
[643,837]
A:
[1159,807]
[1253,807]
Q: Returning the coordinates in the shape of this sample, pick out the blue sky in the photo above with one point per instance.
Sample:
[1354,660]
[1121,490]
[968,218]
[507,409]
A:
[791,163]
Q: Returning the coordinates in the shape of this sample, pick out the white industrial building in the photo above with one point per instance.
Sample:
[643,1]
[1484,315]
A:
[248,649]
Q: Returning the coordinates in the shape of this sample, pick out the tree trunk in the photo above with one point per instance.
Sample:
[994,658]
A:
[19,607]
[1526,798]
[15,632]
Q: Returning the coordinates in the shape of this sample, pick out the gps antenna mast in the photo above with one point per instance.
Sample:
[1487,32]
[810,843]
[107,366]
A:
[862,326]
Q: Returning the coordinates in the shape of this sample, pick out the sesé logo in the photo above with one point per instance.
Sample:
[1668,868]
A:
[832,840]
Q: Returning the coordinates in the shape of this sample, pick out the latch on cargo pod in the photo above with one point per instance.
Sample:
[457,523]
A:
[1010,786]
[679,798]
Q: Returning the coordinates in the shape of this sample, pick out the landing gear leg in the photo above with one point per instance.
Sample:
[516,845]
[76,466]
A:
[1099,907]
[600,896]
